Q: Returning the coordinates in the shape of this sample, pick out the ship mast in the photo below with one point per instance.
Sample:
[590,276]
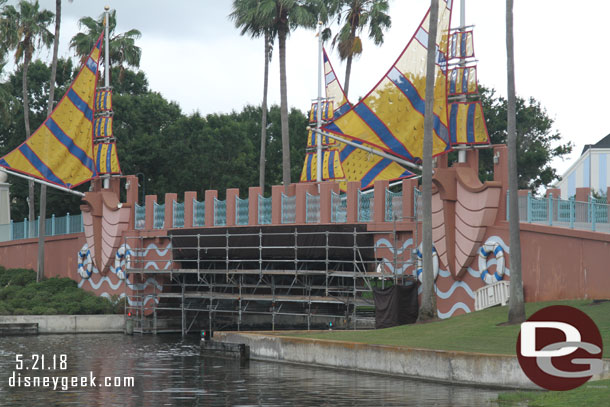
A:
[107,68]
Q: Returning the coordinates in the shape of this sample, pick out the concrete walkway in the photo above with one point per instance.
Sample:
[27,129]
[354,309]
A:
[499,371]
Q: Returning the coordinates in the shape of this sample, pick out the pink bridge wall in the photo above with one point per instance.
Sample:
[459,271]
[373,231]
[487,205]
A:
[60,254]
[558,263]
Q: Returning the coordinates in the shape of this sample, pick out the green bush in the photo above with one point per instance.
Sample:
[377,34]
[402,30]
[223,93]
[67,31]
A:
[19,277]
[20,294]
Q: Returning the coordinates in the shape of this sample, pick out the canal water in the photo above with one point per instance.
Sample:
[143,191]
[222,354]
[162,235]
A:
[169,371]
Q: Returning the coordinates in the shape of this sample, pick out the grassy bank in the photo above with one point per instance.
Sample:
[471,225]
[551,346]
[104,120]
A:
[20,294]
[589,394]
[475,332]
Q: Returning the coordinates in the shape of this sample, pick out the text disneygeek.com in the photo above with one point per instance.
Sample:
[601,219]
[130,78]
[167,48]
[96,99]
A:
[40,362]
[69,382]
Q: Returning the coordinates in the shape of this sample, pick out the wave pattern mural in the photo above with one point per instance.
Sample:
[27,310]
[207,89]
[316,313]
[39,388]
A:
[454,297]
[153,256]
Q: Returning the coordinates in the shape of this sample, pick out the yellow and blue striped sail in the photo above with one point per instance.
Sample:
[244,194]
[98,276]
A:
[391,116]
[467,123]
[60,151]
[102,127]
[331,166]
[334,90]
[106,159]
[103,100]
[357,165]
[366,168]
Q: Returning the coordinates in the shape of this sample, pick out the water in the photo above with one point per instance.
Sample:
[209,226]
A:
[169,371]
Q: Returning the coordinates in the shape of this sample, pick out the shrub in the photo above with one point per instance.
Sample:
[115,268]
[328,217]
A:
[20,294]
[19,277]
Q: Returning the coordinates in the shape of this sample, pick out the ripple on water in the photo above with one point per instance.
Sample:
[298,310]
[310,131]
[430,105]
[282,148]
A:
[169,371]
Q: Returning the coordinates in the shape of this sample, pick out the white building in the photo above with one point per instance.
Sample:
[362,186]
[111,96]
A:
[591,170]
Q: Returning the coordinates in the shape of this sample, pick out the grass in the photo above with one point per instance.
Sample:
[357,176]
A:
[590,394]
[478,332]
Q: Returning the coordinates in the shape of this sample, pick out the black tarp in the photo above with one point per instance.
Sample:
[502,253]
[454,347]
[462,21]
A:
[274,242]
[396,305]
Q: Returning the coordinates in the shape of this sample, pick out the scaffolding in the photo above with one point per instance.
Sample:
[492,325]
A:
[268,277]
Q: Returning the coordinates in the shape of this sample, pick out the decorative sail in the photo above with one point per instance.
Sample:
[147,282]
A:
[334,90]
[60,151]
[105,151]
[391,116]
[331,166]
[354,164]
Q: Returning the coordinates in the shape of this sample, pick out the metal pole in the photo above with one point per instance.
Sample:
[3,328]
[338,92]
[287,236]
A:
[462,153]
[16,174]
[106,68]
[370,150]
[319,108]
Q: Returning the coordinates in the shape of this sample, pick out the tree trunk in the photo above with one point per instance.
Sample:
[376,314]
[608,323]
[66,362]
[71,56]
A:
[55,52]
[348,65]
[41,232]
[348,72]
[262,162]
[516,305]
[26,102]
[428,307]
[43,188]
[284,111]
[26,118]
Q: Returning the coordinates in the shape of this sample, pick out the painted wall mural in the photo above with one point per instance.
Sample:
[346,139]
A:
[454,296]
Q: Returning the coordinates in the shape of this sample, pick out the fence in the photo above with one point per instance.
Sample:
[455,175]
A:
[591,215]
[338,209]
[54,226]
[391,208]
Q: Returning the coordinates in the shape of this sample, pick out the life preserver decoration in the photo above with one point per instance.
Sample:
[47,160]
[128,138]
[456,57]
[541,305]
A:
[484,252]
[85,262]
[122,261]
[420,263]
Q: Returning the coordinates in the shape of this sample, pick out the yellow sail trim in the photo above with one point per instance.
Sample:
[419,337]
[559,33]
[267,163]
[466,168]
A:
[106,159]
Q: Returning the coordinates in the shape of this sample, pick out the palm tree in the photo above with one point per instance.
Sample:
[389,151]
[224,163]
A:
[123,50]
[245,16]
[516,303]
[24,30]
[283,16]
[43,188]
[356,15]
[428,308]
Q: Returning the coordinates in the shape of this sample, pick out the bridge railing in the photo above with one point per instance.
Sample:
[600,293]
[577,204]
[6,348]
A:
[54,226]
[594,214]
[297,204]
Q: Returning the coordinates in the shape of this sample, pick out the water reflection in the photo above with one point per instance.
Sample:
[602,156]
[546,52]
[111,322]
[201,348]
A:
[170,372]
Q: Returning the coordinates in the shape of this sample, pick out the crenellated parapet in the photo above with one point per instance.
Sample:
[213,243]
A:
[303,203]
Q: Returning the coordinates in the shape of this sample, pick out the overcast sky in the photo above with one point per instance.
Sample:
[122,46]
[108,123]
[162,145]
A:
[192,54]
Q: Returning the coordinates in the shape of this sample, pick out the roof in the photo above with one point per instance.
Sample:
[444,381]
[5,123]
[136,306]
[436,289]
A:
[603,143]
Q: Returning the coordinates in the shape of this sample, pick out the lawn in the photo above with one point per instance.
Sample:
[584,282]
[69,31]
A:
[475,332]
[589,394]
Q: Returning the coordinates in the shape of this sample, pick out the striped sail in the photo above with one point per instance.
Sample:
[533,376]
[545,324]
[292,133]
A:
[106,159]
[391,117]
[331,166]
[60,151]
[334,90]
[357,165]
